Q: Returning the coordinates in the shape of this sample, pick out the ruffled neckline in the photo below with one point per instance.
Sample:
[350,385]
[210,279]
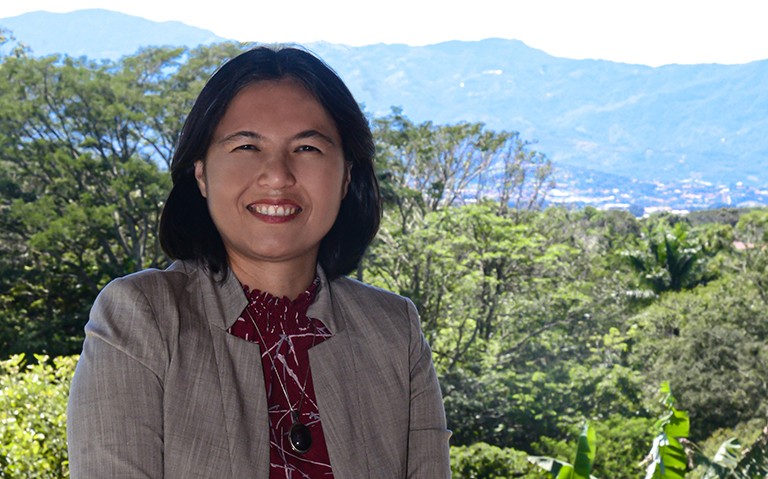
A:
[270,311]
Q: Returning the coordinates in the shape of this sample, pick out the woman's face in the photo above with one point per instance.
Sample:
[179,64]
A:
[274,175]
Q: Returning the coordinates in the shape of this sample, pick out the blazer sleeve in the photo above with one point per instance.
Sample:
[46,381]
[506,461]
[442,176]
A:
[115,410]
[428,448]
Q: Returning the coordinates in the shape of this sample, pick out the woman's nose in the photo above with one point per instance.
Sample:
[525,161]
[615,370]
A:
[276,172]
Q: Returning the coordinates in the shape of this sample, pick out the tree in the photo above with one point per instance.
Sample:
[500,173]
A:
[503,300]
[82,194]
[752,234]
[668,259]
[428,167]
[83,145]
[712,342]
[171,81]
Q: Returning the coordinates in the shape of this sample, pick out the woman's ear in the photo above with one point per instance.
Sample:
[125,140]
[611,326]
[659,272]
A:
[347,178]
[200,177]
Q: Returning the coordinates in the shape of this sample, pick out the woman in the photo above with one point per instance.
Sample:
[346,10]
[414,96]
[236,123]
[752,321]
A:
[253,355]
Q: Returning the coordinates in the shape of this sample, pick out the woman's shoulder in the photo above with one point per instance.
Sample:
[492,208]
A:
[153,281]
[363,301]
[353,289]
[150,293]
[138,314]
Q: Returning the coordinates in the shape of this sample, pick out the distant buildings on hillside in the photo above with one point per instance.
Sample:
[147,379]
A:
[641,198]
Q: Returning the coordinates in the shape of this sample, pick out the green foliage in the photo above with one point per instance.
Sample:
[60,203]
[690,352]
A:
[752,237]
[557,469]
[714,342]
[747,432]
[623,440]
[719,216]
[725,459]
[582,465]
[754,461]
[622,445]
[484,461]
[730,462]
[585,453]
[33,403]
[538,317]
[81,144]
[426,167]
[668,259]
[668,459]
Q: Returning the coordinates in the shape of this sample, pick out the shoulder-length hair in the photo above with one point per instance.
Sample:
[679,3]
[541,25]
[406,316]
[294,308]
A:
[186,228]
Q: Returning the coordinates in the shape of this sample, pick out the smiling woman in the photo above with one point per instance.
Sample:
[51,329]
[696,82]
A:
[274,177]
[253,355]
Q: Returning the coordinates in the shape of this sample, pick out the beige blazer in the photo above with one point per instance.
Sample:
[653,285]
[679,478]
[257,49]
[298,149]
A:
[162,390]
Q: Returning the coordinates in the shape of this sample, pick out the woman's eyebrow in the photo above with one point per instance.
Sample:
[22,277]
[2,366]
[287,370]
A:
[240,134]
[314,134]
[252,135]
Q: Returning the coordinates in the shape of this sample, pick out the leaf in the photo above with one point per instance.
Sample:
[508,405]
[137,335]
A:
[727,454]
[754,463]
[585,453]
[678,424]
[566,472]
[556,468]
[668,459]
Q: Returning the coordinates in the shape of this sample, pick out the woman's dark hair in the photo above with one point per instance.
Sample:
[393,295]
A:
[186,228]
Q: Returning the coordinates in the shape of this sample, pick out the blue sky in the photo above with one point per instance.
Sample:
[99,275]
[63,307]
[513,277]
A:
[651,32]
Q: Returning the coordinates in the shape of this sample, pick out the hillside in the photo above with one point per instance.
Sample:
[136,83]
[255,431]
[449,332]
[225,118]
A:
[98,33]
[663,127]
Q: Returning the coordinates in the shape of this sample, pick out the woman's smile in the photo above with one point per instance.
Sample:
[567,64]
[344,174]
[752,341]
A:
[274,212]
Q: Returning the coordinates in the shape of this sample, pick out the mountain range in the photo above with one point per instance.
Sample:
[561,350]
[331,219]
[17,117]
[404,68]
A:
[630,127]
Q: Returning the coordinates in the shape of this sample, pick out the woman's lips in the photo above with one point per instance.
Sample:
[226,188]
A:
[274,212]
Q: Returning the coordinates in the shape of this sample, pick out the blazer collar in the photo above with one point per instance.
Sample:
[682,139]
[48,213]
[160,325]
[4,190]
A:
[324,308]
[227,297]
[223,301]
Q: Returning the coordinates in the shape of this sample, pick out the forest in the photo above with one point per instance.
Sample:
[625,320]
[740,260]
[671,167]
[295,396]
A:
[541,319]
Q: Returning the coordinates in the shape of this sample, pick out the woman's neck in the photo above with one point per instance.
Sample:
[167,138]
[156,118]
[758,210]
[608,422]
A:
[278,279]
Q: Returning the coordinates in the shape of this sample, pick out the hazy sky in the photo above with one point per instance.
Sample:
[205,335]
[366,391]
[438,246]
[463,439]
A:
[652,32]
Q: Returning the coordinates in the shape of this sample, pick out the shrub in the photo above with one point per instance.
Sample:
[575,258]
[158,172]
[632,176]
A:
[481,460]
[33,407]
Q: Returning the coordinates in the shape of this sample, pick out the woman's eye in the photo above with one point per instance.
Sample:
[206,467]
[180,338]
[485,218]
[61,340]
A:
[308,148]
[246,148]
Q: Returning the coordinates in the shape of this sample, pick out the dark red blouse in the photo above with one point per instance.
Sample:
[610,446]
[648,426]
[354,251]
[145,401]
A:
[287,335]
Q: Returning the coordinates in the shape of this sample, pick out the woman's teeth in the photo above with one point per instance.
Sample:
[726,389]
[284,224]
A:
[274,210]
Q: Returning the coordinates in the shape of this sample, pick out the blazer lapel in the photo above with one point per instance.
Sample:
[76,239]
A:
[241,379]
[334,376]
